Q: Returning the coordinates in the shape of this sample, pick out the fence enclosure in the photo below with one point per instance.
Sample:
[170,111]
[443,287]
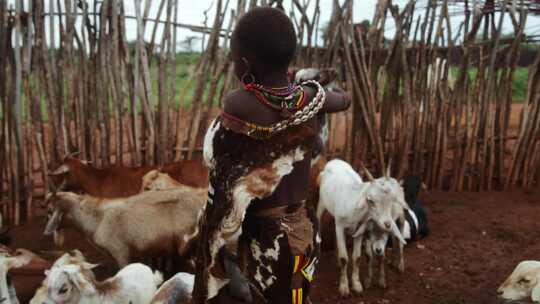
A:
[115,101]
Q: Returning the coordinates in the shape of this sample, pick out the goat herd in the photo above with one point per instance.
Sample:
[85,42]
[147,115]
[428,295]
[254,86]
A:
[153,219]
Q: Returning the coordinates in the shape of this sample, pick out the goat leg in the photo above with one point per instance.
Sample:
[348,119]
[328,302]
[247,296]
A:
[382,272]
[342,260]
[369,278]
[356,259]
[401,259]
[397,250]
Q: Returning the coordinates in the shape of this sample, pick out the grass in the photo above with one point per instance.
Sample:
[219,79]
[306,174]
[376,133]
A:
[185,64]
[519,82]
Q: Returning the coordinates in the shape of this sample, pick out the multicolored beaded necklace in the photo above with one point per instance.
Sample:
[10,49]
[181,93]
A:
[287,99]
[302,114]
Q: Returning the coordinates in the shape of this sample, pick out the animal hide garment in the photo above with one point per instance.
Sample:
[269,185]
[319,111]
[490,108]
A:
[241,169]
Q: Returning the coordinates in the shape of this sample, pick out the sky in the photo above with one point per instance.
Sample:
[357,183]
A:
[192,12]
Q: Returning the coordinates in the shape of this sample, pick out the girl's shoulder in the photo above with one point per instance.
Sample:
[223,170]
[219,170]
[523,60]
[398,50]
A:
[245,106]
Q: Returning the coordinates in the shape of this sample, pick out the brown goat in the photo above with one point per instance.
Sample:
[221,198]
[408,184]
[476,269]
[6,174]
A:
[119,181]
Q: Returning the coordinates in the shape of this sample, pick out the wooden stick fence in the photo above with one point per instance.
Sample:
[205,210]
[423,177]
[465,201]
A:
[96,94]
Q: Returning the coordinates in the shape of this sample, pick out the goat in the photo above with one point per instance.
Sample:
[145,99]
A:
[352,203]
[7,262]
[398,213]
[154,223]
[67,258]
[118,181]
[155,180]
[176,290]
[416,219]
[375,247]
[524,282]
[75,283]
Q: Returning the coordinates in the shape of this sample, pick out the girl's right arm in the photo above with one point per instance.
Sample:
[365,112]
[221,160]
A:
[336,101]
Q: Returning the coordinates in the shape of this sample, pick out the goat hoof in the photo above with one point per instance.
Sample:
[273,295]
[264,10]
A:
[357,287]
[344,291]
[401,267]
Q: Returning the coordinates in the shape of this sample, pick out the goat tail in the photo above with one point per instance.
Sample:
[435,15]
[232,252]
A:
[158,278]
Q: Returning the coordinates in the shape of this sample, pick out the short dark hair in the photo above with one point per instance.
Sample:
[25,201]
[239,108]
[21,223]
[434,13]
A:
[268,34]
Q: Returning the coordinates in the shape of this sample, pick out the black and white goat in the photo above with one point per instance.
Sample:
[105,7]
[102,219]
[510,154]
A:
[416,225]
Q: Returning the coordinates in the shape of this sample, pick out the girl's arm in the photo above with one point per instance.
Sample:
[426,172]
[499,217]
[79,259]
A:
[336,101]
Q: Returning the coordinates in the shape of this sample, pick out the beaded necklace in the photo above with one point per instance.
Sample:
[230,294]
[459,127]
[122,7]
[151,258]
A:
[262,132]
[287,99]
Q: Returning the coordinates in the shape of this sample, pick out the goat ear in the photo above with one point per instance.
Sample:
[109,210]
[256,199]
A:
[53,222]
[535,295]
[17,261]
[83,284]
[88,266]
[404,204]
[77,254]
[64,168]
[59,237]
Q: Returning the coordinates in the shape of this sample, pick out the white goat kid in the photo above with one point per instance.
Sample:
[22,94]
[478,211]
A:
[353,203]
[398,214]
[74,283]
[524,282]
[7,262]
[73,257]
[375,248]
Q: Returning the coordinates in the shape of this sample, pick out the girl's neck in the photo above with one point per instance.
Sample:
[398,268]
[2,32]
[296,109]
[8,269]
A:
[273,79]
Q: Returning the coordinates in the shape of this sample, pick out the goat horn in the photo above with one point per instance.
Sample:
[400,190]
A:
[54,192]
[71,154]
[388,169]
[368,174]
[61,170]
[397,233]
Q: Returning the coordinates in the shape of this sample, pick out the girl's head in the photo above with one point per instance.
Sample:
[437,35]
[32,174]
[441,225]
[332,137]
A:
[263,41]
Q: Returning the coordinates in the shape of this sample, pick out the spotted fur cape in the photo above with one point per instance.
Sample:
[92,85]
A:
[241,169]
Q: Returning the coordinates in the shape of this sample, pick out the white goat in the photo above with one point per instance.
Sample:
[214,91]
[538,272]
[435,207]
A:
[7,262]
[177,290]
[153,223]
[353,203]
[75,283]
[73,257]
[375,247]
[524,282]
[398,214]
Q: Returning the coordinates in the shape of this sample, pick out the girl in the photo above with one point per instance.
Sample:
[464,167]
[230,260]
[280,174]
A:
[258,152]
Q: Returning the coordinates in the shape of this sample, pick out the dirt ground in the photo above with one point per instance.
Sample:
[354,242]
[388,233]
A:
[476,240]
